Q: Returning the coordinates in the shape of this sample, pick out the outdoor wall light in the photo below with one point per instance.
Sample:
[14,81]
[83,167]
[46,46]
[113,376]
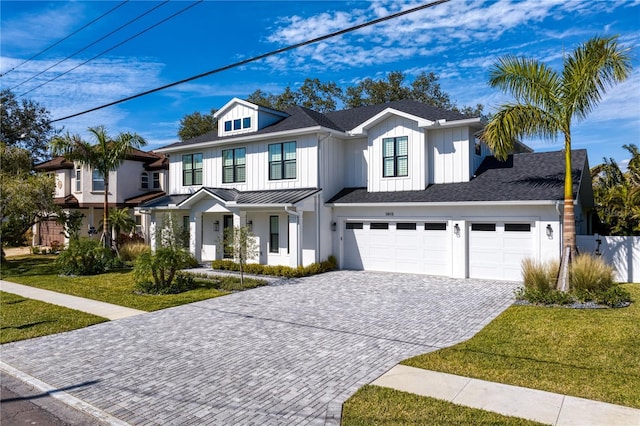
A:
[250,225]
[456,230]
[216,225]
[549,232]
[333,226]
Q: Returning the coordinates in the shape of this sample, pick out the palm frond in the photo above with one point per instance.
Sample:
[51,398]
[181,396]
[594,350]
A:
[589,71]
[527,80]
[514,121]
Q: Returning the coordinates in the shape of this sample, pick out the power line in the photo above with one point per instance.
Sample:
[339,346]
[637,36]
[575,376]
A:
[65,38]
[91,44]
[115,46]
[257,58]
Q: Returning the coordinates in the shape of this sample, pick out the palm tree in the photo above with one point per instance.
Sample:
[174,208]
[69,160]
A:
[546,103]
[105,155]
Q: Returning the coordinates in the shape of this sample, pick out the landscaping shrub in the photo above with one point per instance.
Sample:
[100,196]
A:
[85,257]
[614,297]
[131,251]
[154,273]
[590,274]
[540,276]
[278,270]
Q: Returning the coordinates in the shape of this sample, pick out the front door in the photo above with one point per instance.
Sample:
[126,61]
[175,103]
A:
[227,228]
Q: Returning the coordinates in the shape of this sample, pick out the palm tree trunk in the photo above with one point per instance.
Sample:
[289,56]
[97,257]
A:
[105,217]
[568,220]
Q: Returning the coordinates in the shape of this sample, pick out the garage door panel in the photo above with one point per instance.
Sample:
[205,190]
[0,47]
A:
[498,254]
[409,249]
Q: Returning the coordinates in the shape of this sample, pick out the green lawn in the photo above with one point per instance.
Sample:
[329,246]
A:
[373,405]
[593,354]
[22,318]
[113,287]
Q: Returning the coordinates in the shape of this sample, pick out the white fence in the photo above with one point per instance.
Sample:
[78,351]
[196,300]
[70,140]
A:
[623,253]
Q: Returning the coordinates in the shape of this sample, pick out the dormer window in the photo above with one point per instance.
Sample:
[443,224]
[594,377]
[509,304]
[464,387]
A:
[395,157]
[237,124]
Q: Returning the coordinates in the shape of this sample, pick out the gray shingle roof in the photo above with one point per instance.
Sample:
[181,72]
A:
[523,177]
[342,121]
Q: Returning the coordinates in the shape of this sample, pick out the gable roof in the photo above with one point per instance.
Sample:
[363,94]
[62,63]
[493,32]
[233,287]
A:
[523,177]
[341,121]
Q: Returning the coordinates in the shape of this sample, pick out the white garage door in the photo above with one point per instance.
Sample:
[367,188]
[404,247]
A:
[415,247]
[496,250]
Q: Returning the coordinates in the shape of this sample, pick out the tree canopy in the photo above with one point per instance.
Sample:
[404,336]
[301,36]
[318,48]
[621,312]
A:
[617,195]
[25,124]
[196,124]
[26,196]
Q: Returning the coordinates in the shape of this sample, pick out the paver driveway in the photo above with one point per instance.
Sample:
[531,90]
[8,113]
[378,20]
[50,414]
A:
[284,354]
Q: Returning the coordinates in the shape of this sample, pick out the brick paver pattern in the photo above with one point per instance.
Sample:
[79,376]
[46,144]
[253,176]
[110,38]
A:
[289,353]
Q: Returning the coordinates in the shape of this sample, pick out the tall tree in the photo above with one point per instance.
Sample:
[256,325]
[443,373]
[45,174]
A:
[546,102]
[617,195]
[25,124]
[105,155]
[25,197]
[196,124]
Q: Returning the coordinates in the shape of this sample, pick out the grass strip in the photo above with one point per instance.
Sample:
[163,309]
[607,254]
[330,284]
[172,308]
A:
[374,405]
[22,318]
[592,353]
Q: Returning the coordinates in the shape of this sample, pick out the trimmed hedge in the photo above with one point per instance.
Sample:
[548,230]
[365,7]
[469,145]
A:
[278,270]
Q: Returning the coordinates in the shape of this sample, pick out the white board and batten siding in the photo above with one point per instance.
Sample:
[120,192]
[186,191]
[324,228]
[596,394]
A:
[256,167]
[355,163]
[450,156]
[391,128]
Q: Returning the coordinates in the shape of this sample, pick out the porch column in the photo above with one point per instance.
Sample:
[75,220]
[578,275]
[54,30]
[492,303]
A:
[195,235]
[295,240]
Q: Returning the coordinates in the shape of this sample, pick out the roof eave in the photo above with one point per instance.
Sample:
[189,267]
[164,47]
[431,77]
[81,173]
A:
[447,203]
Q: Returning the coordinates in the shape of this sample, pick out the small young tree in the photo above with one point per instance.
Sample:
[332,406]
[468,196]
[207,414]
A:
[243,244]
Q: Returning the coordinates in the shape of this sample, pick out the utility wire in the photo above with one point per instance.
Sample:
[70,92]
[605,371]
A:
[115,46]
[65,38]
[257,58]
[91,44]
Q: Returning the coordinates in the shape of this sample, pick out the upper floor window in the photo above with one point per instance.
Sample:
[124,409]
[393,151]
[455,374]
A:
[192,169]
[156,180]
[233,165]
[78,180]
[97,181]
[282,161]
[395,157]
[144,180]
[237,124]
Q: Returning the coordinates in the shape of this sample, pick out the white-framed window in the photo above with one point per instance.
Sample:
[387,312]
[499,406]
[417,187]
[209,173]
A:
[97,181]
[192,169]
[237,124]
[78,179]
[156,180]
[144,180]
[282,161]
[234,165]
[395,157]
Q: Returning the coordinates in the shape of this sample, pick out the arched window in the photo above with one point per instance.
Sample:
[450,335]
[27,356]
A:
[144,180]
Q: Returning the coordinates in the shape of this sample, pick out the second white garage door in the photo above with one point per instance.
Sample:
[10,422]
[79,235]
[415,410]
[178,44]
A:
[496,250]
[414,247]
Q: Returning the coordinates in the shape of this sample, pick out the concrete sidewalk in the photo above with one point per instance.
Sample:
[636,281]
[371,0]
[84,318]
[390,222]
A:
[101,309]
[532,404]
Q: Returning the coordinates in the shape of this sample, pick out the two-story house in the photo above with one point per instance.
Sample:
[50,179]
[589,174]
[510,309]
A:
[401,186]
[141,178]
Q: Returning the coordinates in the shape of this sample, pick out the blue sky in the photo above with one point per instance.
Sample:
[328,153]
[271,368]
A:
[458,41]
